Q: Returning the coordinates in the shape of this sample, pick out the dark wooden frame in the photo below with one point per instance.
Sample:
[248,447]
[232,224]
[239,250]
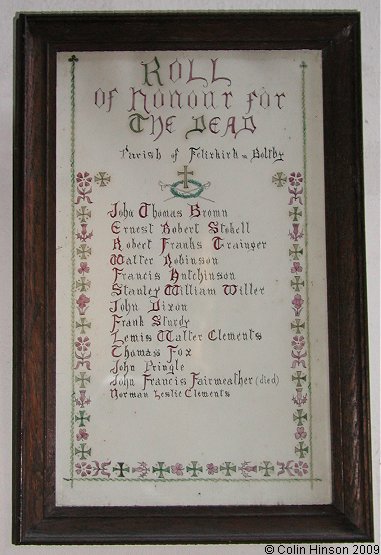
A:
[36,518]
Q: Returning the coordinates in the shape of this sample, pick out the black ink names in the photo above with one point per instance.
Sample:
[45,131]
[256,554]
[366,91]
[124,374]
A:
[158,264]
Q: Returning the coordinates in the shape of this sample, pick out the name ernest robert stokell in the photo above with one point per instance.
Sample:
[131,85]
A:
[258,153]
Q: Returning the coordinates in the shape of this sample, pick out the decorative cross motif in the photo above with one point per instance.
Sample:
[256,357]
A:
[301,451]
[194,469]
[296,252]
[83,452]
[83,324]
[185,173]
[228,468]
[298,378]
[300,417]
[83,214]
[295,214]
[298,326]
[279,179]
[296,283]
[268,468]
[81,418]
[161,469]
[83,251]
[121,469]
[102,178]
[82,284]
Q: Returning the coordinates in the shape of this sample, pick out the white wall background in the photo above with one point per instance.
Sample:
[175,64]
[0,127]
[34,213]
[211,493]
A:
[370,12]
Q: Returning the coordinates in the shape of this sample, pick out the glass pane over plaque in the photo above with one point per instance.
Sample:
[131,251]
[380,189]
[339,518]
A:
[192,359]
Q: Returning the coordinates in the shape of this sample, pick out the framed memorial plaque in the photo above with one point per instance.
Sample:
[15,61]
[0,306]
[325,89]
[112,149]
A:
[191,355]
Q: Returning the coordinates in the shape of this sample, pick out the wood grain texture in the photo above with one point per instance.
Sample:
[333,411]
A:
[36,518]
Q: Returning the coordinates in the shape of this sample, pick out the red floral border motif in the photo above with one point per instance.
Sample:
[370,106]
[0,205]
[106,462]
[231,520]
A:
[82,323]
[299,326]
